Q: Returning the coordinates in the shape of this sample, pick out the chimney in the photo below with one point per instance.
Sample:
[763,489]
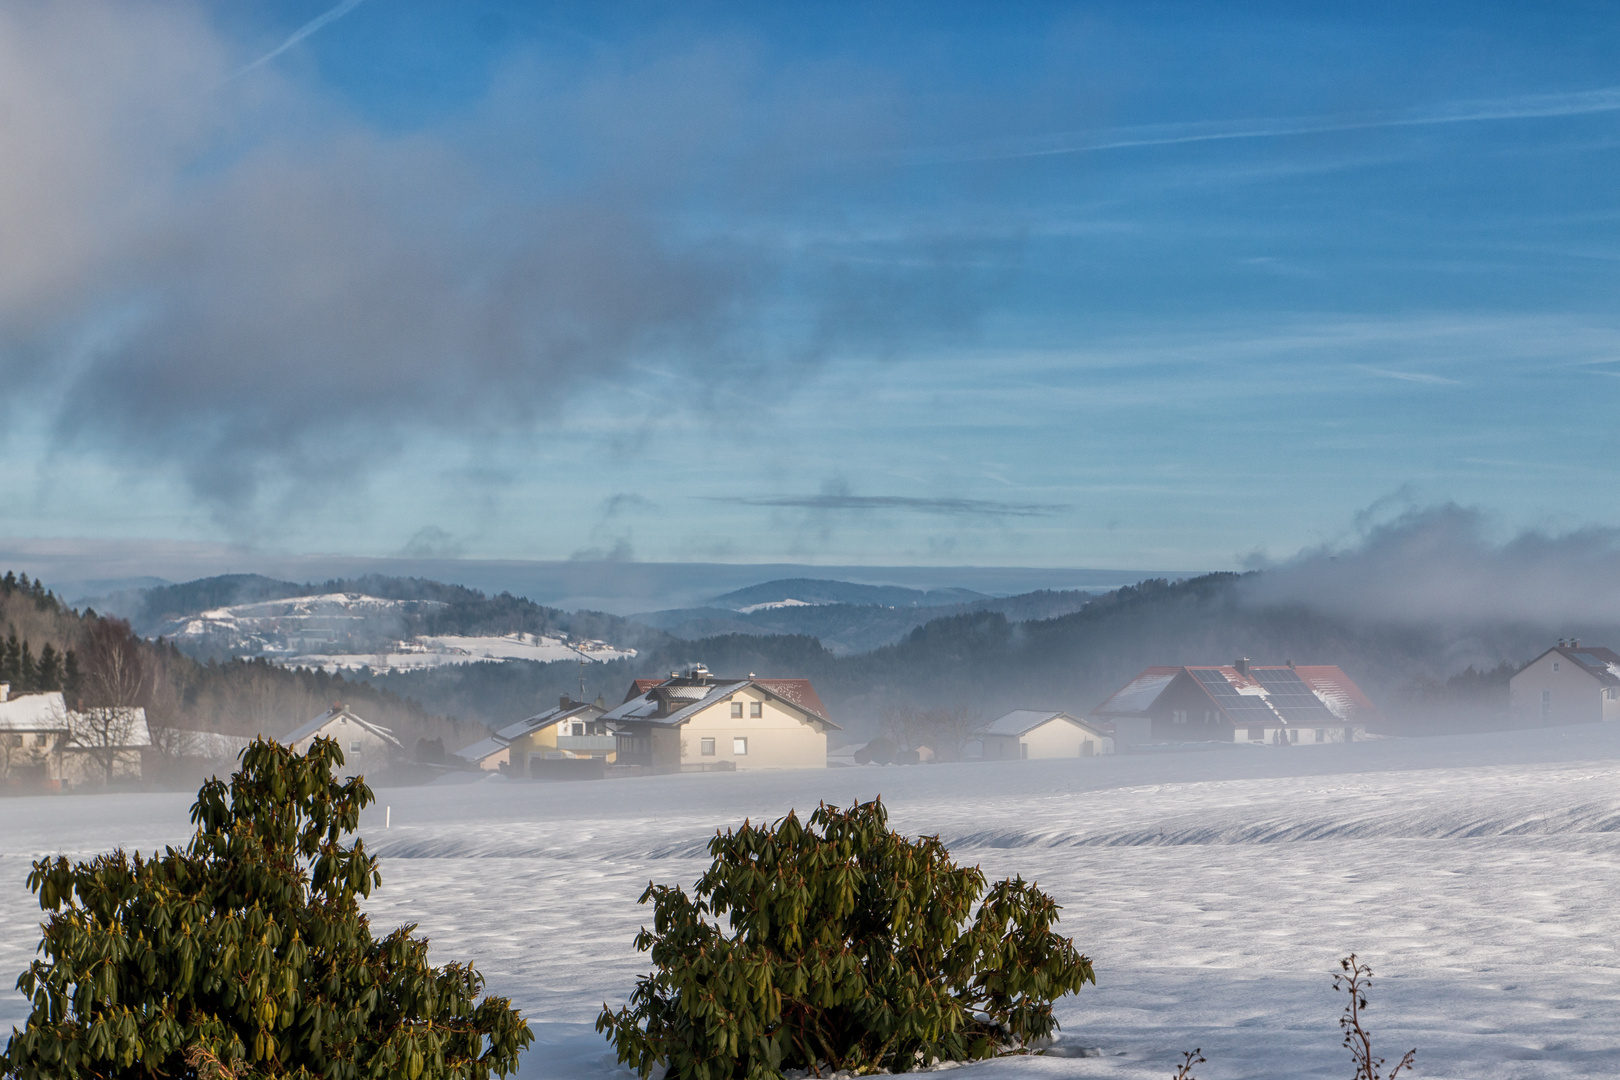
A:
[1574,642]
[563,702]
[1560,643]
[1242,666]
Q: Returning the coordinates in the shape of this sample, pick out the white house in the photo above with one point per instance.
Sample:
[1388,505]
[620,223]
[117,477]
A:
[43,742]
[364,744]
[1030,733]
[1567,684]
[573,729]
[693,722]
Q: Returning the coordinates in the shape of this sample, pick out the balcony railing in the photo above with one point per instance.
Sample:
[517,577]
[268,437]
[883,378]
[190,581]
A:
[595,743]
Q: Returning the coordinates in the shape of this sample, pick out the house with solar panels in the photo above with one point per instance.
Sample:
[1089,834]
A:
[1282,705]
[1567,684]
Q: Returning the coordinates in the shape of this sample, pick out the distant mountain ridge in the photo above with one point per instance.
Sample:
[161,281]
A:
[793,592]
[847,628]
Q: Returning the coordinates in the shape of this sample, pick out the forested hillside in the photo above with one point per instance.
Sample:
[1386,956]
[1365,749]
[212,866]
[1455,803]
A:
[845,628]
[49,646]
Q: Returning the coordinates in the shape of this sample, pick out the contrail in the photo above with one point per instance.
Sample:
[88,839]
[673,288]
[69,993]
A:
[330,16]
[1533,106]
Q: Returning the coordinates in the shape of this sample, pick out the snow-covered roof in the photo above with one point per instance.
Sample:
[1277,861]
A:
[1138,695]
[331,716]
[554,715]
[1264,695]
[696,697]
[34,712]
[125,727]
[481,749]
[1023,721]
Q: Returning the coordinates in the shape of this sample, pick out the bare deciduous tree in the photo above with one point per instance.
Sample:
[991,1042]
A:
[115,685]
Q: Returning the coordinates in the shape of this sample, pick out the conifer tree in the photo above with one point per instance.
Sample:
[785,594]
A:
[245,953]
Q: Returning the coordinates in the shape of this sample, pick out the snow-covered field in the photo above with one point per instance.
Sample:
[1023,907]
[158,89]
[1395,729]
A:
[1214,890]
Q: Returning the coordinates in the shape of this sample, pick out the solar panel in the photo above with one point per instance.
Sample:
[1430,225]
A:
[1242,708]
[1292,698]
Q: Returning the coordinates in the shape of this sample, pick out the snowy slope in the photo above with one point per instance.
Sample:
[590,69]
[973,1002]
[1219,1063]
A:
[436,651]
[1214,890]
[356,632]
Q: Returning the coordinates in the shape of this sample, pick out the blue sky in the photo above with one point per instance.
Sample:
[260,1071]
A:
[1121,285]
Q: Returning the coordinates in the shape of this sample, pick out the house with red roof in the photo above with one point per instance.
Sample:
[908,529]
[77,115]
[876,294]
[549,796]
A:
[1570,683]
[693,721]
[1276,705]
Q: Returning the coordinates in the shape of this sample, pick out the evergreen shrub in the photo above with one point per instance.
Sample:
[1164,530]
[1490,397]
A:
[843,946]
[245,953]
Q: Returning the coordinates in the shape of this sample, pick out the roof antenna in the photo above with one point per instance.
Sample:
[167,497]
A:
[582,676]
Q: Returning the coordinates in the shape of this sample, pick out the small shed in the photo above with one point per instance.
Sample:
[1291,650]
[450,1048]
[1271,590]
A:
[1030,733]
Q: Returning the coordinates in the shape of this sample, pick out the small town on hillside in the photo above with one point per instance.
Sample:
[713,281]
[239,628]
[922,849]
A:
[696,721]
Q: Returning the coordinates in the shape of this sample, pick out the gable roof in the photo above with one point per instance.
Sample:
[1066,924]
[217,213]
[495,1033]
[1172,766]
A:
[679,700]
[1021,721]
[481,749]
[1137,696]
[1258,695]
[554,715]
[1598,662]
[336,712]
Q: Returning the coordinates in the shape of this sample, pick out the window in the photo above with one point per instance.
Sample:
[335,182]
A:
[739,746]
[1293,735]
[756,709]
[354,747]
[736,710]
[41,739]
[1178,716]
[1555,665]
[1611,693]
[579,729]
[706,747]
[11,740]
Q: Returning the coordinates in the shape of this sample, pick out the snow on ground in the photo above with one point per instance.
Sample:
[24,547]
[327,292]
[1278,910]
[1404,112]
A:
[1214,890]
[429,652]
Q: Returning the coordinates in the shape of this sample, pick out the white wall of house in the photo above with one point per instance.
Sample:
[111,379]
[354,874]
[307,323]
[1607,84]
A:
[1061,737]
[1556,690]
[1295,736]
[1057,738]
[767,735]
